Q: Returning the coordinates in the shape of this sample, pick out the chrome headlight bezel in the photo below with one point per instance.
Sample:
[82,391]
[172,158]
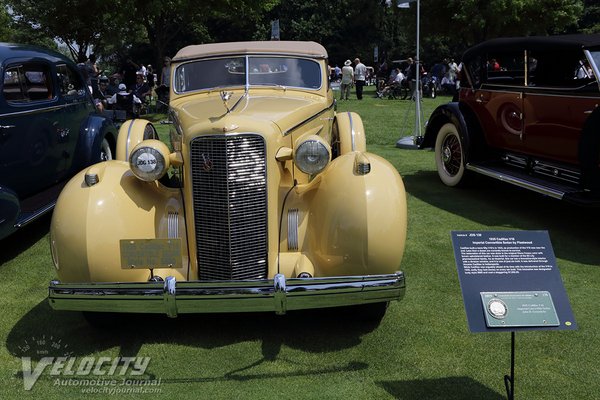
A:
[149,160]
[312,155]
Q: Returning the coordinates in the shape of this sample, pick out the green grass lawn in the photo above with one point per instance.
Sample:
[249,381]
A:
[421,350]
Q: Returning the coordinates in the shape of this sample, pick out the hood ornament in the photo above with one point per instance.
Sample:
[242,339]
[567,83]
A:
[225,96]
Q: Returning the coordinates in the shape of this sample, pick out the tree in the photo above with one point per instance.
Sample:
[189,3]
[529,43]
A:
[78,23]
[171,24]
[473,21]
[590,20]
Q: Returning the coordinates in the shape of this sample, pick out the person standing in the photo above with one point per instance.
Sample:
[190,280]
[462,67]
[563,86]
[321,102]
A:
[165,77]
[347,79]
[360,75]
[411,77]
[92,72]
[452,69]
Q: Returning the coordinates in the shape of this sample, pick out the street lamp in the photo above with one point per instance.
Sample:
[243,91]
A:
[411,142]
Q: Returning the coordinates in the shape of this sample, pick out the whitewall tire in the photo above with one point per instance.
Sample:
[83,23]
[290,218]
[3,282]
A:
[449,155]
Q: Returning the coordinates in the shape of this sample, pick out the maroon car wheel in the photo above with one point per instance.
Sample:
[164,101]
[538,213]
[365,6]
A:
[449,155]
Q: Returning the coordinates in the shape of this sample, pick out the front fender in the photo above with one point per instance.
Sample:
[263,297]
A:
[10,207]
[354,224]
[89,222]
[92,131]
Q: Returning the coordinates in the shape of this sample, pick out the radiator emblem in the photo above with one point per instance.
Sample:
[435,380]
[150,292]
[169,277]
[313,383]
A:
[207,164]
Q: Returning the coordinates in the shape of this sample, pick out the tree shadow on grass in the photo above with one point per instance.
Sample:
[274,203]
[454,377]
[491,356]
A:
[452,388]
[573,229]
[69,334]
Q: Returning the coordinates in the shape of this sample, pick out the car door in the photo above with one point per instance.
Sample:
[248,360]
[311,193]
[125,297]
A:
[77,106]
[497,97]
[30,158]
[559,99]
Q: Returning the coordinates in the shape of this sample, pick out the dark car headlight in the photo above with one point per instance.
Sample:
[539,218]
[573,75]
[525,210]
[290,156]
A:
[149,160]
[312,155]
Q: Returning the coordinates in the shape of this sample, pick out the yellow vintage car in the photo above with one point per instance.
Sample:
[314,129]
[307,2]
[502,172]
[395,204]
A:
[266,200]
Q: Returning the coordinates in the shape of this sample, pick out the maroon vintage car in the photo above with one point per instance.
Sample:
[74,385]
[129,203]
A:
[527,114]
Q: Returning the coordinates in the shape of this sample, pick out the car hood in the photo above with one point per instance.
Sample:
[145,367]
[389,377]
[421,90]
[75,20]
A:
[246,111]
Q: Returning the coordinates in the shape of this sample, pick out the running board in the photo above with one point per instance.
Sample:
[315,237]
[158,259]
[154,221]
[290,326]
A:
[27,218]
[521,180]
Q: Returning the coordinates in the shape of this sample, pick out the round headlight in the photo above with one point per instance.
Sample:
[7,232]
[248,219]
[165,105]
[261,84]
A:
[312,155]
[149,160]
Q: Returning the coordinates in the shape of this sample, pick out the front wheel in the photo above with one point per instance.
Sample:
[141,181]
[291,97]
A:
[449,155]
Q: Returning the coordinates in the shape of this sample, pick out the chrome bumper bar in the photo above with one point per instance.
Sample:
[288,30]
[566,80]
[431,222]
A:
[278,294]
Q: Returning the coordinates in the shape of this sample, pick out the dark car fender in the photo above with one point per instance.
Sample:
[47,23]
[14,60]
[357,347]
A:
[10,208]
[463,118]
[91,133]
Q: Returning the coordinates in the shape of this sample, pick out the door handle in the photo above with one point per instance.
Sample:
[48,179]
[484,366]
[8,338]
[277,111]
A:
[6,126]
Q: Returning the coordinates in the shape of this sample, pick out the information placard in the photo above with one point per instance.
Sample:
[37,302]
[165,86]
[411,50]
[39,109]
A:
[520,269]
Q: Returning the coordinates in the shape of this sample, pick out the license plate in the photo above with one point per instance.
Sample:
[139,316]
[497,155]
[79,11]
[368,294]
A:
[150,253]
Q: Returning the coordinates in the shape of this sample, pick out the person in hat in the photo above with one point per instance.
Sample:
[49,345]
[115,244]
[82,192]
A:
[347,80]
[126,101]
[100,94]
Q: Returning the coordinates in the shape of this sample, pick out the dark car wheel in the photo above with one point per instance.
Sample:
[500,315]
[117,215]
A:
[449,155]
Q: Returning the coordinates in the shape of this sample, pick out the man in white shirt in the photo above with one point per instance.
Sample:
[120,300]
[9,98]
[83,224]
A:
[360,75]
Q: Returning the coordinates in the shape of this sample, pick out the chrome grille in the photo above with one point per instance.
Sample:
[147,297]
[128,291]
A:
[229,182]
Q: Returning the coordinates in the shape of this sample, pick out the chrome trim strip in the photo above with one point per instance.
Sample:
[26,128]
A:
[172,224]
[293,229]
[35,215]
[352,130]
[38,110]
[278,295]
[557,194]
[287,132]
[128,138]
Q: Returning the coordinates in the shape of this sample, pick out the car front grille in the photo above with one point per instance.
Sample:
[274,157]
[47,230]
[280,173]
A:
[229,181]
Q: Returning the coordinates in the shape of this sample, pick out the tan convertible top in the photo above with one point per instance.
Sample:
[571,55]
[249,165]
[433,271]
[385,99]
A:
[310,49]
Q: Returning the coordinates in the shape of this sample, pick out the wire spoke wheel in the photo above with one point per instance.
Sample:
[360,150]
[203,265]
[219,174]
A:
[449,155]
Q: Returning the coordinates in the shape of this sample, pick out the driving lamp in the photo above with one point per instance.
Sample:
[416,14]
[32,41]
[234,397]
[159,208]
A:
[312,155]
[149,160]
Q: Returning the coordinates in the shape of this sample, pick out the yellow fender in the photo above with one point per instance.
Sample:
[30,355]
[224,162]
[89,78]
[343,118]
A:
[89,221]
[349,133]
[132,132]
[349,223]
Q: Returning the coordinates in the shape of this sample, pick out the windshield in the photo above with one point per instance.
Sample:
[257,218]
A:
[594,58]
[259,71]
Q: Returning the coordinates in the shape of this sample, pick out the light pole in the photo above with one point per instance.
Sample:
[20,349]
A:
[411,142]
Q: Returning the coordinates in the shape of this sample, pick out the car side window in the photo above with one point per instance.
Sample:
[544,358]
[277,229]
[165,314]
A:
[69,81]
[27,82]
[505,68]
[570,70]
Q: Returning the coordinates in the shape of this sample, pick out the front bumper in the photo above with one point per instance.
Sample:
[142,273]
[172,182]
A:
[278,294]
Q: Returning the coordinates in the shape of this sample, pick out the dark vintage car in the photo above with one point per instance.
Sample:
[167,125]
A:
[49,130]
[527,114]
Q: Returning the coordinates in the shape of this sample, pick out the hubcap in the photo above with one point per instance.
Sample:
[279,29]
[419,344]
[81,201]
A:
[451,155]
